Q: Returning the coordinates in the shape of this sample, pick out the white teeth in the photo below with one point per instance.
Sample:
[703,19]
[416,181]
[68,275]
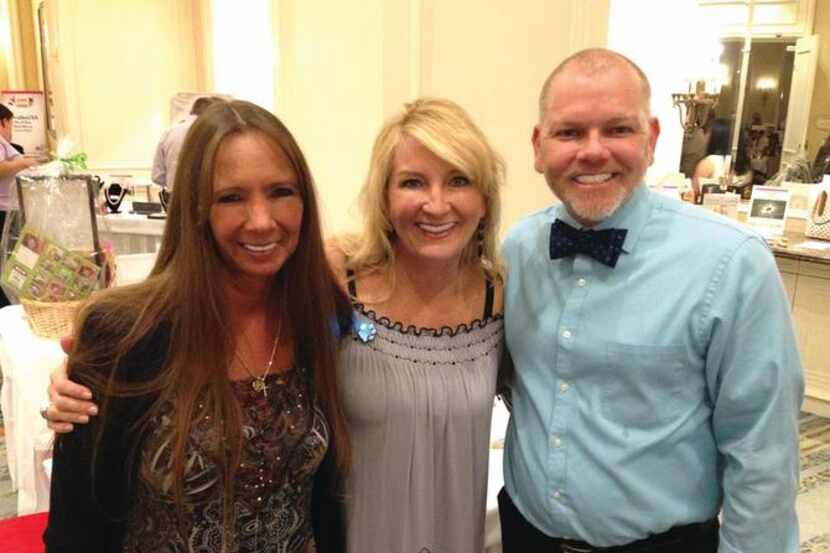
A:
[260,247]
[593,179]
[436,229]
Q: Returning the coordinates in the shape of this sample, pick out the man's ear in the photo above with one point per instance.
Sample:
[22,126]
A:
[653,133]
[536,140]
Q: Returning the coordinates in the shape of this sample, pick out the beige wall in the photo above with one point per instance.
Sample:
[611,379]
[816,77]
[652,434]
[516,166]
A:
[821,99]
[345,68]
[495,68]
[330,91]
[341,68]
[115,66]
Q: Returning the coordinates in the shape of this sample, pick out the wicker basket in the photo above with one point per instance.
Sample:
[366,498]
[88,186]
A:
[50,319]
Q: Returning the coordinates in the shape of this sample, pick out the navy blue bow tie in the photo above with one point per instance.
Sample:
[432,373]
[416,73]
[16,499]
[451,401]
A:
[603,245]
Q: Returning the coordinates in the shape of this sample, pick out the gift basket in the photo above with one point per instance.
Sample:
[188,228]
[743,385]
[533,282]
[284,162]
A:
[52,259]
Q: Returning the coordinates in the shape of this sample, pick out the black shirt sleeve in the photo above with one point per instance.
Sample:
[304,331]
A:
[94,467]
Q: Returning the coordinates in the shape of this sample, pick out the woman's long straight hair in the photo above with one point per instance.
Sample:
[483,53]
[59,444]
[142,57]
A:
[185,292]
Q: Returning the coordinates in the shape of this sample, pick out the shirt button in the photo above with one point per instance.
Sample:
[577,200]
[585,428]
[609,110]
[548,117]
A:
[581,282]
[556,494]
[564,387]
[566,334]
[557,442]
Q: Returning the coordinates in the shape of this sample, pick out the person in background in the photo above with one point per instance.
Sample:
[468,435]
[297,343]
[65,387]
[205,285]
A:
[170,144]
[419,366]
[821,165]
[221,426]
[694,145]
[11,163]
[714,164]
[657,379]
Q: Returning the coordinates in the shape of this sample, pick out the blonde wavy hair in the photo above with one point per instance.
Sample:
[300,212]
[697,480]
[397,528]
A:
[447,131]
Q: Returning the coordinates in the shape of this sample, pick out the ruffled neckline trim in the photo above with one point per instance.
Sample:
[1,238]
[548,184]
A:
[398,326]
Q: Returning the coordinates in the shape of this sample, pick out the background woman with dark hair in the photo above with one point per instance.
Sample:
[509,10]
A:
[714,165]
[216,377]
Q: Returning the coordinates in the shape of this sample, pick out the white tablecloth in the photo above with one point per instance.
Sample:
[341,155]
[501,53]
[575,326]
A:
[26,361]
[131,233]
[495,479]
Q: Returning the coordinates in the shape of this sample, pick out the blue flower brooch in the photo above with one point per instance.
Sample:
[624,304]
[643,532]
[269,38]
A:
[366,331]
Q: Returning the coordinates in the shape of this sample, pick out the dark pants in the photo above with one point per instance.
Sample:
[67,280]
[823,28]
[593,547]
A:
[4,301]
[519,536]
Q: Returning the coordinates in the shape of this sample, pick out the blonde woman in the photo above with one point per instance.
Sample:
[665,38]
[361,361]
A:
[419,365]
[220,425]
[419,370]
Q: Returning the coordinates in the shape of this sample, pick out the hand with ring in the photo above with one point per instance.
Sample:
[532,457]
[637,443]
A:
[69,403]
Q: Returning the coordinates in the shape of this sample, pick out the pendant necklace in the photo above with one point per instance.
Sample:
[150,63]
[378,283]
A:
[258,382]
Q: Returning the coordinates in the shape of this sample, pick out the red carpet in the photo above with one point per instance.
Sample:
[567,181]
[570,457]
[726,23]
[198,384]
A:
[23,534]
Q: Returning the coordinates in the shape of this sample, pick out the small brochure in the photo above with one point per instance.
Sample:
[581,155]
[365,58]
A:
[725,204]
[39,269]
[768,210]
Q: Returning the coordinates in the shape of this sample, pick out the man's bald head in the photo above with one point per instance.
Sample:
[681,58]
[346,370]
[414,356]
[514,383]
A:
[593,61]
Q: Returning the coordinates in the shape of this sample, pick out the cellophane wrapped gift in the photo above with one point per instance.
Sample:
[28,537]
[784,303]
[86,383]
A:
[51,256]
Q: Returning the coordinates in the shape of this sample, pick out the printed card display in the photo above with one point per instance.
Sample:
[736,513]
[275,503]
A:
[29,123]
[725,204]
[768,210]
[41,270]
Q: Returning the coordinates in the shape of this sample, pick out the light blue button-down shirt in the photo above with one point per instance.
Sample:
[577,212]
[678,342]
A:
[658,392]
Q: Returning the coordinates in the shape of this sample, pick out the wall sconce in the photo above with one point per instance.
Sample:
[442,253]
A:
[765,85]
[694,107]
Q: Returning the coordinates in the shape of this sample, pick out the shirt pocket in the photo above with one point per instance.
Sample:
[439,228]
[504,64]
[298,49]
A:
[644,386]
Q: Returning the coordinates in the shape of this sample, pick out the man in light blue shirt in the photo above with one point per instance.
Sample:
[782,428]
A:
[657,379]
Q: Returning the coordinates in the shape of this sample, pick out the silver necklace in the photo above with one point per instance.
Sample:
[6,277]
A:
[258,382]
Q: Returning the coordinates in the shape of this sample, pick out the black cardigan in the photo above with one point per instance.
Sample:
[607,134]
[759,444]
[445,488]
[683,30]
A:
[90,498]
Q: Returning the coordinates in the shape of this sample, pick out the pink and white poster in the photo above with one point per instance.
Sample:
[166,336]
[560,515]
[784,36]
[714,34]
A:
[29,123]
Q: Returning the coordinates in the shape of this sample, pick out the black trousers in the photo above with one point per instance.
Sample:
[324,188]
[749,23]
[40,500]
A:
[4,301]
[519,536]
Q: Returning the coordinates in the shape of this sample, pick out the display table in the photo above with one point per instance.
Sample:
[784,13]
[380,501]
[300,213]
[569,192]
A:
[495,478]
[26,361]
[131,233]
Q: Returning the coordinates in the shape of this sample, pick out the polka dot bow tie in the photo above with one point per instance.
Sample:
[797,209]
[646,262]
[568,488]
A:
[603,245]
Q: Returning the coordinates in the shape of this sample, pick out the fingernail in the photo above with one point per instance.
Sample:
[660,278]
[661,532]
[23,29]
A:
[87,395]
[84,419]
[93,410]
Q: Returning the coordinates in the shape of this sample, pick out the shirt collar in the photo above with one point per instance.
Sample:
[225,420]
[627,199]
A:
[632,216]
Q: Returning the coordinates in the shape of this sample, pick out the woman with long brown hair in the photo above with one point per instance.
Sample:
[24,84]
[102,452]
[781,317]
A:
[220,425]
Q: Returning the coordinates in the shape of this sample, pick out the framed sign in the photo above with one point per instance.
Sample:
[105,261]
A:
[768,210]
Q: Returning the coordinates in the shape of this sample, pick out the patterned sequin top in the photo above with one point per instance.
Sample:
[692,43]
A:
[114,495]
[285,438]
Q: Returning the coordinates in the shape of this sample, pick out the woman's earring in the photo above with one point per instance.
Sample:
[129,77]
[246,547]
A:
[480,236]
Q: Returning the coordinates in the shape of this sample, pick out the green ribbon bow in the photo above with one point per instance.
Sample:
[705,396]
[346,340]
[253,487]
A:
[74,162]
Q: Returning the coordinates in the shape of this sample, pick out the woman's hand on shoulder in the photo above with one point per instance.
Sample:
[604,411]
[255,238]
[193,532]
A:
[68,402]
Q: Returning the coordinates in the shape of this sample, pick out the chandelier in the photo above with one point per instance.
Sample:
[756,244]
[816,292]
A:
[694,107]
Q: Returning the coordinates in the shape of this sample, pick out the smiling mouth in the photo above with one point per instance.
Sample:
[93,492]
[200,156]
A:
[259,248]
[598,178]
[435,229]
